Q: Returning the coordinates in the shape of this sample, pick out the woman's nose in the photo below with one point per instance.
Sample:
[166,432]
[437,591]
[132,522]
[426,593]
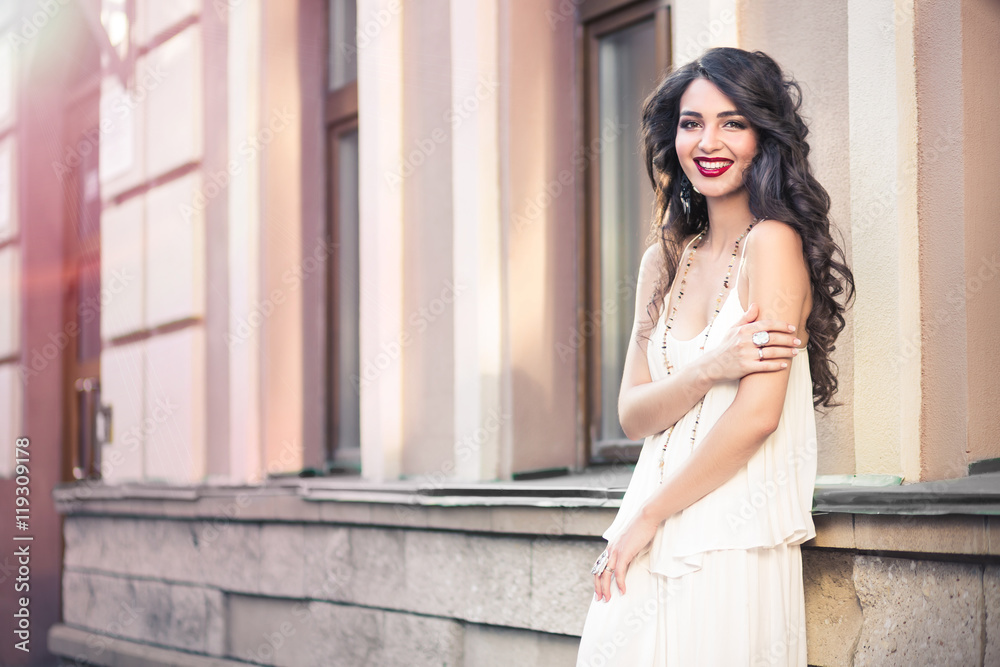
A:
[709,140]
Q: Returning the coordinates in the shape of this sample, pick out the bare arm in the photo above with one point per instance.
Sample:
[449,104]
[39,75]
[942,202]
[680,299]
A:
[646,407]
[779,279]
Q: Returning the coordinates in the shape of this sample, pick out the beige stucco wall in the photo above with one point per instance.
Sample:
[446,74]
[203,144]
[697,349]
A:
[981,97]
[541,214]
[873,152]
[788,31]
[380,237]
[482,425]
[885,81]
[909,352]
[942,251]
[426,184]
[281,251]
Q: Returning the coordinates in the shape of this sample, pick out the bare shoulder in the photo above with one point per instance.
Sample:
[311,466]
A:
[773,245]
[650,273]
[651,266]
[772,239]
[777,272]
[652,259]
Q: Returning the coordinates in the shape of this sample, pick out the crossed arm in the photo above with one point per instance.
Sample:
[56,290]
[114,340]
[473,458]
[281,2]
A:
[778,280]
[644,406]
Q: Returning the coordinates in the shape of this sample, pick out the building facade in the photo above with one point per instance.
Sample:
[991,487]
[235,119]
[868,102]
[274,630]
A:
[313,314]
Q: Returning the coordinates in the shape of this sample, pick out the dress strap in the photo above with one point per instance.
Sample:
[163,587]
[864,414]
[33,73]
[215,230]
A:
[739,268]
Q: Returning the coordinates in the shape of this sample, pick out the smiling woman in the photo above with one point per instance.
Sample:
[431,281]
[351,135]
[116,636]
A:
[735,317]
[712,137]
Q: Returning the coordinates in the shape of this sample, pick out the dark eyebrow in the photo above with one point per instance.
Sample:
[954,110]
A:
[724,114]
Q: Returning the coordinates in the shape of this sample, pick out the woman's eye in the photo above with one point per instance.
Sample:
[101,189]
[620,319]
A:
[688,124]
[736,125]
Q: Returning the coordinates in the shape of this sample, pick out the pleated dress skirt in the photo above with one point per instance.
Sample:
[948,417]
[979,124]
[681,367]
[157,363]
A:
[743,608]
[720,584]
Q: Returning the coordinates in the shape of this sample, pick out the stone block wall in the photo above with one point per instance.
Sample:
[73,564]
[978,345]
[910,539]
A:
[316,594]
[287,581]
[869,610]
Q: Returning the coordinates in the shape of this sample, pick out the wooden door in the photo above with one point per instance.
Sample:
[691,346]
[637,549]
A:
[87,420]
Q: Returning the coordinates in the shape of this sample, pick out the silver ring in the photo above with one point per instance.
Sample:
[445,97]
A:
[602,562]
[760,351]
[760,338]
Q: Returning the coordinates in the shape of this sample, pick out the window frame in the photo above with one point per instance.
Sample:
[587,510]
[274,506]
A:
[340,115]
[598,18]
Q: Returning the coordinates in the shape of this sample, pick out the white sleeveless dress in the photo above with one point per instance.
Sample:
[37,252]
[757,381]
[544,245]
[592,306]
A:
[721,583]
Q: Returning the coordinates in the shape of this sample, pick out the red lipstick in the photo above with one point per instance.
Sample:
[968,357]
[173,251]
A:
[713,166]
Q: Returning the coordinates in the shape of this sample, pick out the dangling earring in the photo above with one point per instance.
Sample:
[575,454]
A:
[685,194]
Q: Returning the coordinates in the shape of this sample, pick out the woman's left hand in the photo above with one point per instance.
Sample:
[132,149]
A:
[622,551]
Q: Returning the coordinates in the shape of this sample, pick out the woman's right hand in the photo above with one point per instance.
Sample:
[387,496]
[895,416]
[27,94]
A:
[737,355]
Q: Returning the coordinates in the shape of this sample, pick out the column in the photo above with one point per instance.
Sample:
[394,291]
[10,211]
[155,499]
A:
[877,181]
[380,113]
[479,418]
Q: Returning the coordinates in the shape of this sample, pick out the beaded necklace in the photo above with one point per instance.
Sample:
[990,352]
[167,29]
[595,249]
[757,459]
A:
[673,312]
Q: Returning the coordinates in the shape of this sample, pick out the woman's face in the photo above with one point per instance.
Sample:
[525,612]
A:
[714,142]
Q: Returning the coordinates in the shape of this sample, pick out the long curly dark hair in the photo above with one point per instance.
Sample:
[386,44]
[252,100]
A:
[780,184]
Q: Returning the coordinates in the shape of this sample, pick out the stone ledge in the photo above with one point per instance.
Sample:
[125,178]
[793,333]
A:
[96,649]
[954,535]
[551,515]
[581,516]
[977,494]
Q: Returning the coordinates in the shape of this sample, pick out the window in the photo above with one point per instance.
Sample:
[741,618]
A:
[343,289]
[625,53]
